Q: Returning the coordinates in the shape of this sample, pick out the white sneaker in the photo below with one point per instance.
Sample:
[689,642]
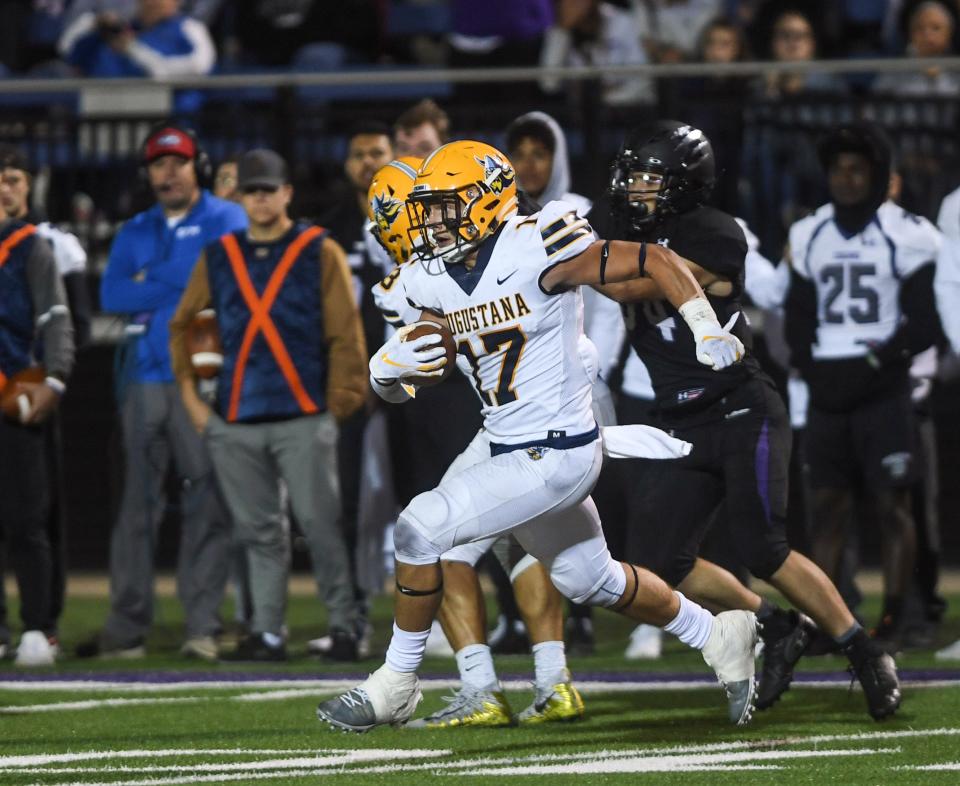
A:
[729,652]
[949,653]
[34,650]
[324,644]
[386,696]
[202,647]
[437,644]
[646,643]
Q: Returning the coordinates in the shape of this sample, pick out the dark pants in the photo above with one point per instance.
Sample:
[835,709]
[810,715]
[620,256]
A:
[350,466]
[24,516]
[737,470]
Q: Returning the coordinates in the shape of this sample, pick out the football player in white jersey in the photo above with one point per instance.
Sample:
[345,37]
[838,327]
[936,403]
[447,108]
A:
[947,288]
[507,287]
[859,307]
[479,701]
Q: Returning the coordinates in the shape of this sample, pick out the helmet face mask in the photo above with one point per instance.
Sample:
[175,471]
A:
[464,192]
[667,168]
[440,224]
[637,193]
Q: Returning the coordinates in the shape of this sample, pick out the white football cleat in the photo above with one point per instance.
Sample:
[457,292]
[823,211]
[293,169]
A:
[386,696]
[730,653]
[34,650]
[646,643]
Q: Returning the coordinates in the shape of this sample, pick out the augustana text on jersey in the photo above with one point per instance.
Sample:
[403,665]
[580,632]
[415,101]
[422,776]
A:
[484,315]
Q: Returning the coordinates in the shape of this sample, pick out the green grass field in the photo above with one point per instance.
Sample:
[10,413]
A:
[164,720]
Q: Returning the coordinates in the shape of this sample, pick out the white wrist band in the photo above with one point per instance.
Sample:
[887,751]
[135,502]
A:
[56,385]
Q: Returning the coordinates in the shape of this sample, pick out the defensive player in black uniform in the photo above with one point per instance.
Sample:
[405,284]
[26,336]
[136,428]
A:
[735,418]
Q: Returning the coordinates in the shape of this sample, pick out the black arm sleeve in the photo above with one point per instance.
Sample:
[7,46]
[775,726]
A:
[78,297]
[920,327]
[800,320]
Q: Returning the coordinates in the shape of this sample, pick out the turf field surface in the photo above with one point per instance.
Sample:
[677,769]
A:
[166,720]
[669,728]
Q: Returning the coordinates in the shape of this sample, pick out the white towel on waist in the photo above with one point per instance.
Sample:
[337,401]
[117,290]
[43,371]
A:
[635,441]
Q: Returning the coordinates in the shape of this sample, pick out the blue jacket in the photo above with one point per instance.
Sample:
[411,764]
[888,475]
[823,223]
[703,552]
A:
[17,322]
[148,270]
[93,55]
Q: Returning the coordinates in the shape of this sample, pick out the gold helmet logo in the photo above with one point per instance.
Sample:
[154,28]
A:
[386,209]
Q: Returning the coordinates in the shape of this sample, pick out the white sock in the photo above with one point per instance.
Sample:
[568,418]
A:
[406,649]
[549,663]
[692,625]
[476,667]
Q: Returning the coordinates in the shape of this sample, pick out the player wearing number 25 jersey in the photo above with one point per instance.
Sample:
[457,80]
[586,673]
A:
[860,306]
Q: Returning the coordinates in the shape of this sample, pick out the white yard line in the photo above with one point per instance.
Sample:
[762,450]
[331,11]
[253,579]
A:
[67,758]
[92,704]
[291,764]
[292,688]
[707,761]
[331,759]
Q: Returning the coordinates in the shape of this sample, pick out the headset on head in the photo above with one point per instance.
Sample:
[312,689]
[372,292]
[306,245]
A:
[202,165]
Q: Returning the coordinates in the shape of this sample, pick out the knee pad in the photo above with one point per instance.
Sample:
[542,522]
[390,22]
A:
[411,547]
[587,574]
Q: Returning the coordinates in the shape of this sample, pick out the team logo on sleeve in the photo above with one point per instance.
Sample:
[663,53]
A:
[385,210]
[497,173]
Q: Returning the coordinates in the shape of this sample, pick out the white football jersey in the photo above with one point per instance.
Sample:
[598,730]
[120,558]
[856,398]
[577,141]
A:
[947,281]
[518,346]
[67,251]
[857,277]
[390,294]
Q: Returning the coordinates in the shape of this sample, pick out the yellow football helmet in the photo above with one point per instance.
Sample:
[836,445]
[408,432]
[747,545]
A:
[464,191]
[385,206]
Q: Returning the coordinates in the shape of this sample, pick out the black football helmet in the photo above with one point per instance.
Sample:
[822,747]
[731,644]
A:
[682,157]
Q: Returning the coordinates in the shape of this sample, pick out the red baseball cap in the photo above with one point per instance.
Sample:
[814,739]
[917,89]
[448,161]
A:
[169,141]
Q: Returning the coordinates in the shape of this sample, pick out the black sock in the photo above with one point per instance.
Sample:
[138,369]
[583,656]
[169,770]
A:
[849,634]
[767,607]
[857,646]
[775,622]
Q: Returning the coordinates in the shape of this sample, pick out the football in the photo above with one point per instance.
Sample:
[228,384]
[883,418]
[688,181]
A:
[203,344]
[425,329]
[14,401]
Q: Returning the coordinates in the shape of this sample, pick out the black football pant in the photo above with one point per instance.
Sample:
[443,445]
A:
[24,517]
[738,469]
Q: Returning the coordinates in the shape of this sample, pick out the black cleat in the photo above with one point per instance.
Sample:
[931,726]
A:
[780,655]
[253,649]
[877,673]
[343,645]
